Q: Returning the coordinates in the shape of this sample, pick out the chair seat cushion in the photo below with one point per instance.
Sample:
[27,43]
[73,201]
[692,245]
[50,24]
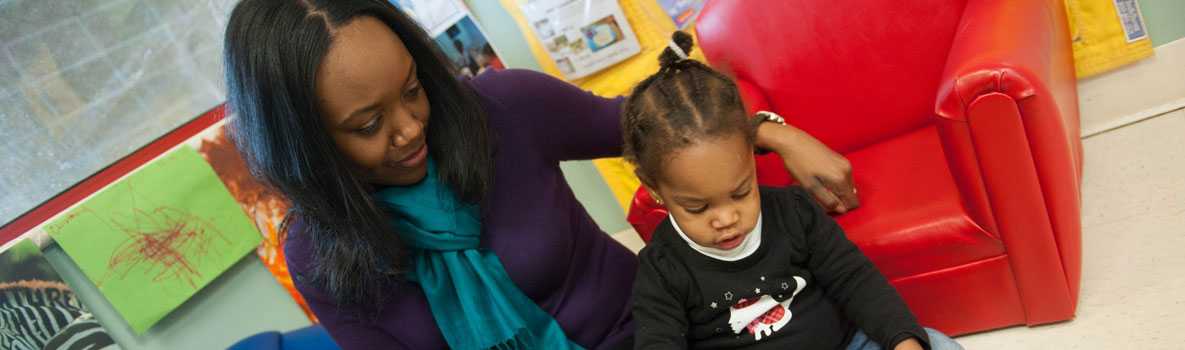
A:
[911,219]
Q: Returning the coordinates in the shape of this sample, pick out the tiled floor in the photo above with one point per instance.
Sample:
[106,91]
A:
[1133,227]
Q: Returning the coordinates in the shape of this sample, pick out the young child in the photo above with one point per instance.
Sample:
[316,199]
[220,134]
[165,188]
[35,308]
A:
[737,265]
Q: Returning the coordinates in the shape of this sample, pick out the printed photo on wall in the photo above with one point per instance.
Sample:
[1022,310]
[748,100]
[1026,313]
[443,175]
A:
[683,12]
[455,32]
[581,36]
[602,33]
[152,239]
[38,310]
[466,45]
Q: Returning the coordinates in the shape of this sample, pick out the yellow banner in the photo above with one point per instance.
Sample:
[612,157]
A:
[1106,34]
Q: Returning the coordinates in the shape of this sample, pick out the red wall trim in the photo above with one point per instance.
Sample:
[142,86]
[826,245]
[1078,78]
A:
[76,193]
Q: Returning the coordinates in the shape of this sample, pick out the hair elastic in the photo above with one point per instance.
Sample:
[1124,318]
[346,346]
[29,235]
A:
[678,50]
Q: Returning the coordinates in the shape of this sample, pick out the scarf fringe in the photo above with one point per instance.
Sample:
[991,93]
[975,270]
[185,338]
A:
[517,342]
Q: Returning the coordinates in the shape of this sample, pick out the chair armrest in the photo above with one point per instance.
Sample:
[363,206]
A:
[1007,115]
[1020,48]
[1004,46]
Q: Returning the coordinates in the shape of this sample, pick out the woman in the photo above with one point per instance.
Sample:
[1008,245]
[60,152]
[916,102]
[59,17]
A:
[422,203]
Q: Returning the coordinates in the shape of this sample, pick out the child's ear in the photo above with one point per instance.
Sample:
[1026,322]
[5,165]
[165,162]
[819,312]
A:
[649,186]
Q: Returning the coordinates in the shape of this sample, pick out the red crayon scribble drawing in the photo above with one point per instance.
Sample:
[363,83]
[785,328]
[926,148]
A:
[164,242]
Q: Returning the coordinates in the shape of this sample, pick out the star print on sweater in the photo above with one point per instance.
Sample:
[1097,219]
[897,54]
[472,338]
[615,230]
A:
[763,316]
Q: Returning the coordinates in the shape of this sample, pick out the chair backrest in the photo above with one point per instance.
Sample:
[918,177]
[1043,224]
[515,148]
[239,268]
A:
[850,72]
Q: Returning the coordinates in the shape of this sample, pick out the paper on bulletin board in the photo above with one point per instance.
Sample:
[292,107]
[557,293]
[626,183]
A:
[453,29]
[1106,34]
[683,12]
[151,240]
[464,43]
[653,28]
[38,309]
[581,36]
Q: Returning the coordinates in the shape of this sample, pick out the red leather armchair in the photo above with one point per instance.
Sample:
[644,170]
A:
[960,119]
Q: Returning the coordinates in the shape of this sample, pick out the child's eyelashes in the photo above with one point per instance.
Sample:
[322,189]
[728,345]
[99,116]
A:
[703,208]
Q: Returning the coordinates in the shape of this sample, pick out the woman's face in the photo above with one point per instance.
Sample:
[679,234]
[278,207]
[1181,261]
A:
[710,188]
[373,105]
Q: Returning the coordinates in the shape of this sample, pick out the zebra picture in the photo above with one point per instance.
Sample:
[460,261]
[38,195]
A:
[39,311]
[37,315]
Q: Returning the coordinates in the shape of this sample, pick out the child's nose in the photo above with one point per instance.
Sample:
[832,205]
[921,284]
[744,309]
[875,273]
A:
[726,219]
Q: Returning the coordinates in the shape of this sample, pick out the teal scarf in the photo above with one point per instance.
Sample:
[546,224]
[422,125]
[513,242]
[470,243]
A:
[473,300]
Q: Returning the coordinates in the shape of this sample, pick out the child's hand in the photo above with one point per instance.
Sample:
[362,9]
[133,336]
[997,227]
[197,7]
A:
[909,344]
[825,174]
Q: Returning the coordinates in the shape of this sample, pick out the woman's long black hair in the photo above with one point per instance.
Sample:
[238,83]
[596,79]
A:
[273,49]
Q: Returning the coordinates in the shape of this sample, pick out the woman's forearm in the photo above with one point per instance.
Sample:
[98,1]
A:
[823,172]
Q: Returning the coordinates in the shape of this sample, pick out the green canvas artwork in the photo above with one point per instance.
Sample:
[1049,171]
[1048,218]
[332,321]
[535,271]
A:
[151,240]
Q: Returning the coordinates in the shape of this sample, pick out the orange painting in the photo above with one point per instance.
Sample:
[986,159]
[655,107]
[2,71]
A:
[261,203]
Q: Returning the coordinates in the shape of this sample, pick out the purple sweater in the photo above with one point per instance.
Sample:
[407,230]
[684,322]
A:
[548,243]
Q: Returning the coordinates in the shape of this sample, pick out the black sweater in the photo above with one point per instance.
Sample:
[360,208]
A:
[806,287]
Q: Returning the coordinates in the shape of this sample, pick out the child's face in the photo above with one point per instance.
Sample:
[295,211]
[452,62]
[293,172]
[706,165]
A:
[711,190]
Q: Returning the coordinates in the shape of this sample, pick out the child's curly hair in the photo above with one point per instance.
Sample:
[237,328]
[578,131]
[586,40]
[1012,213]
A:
[683,103]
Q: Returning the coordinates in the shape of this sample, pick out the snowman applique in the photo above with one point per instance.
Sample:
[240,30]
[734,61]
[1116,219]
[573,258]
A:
[763,315]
